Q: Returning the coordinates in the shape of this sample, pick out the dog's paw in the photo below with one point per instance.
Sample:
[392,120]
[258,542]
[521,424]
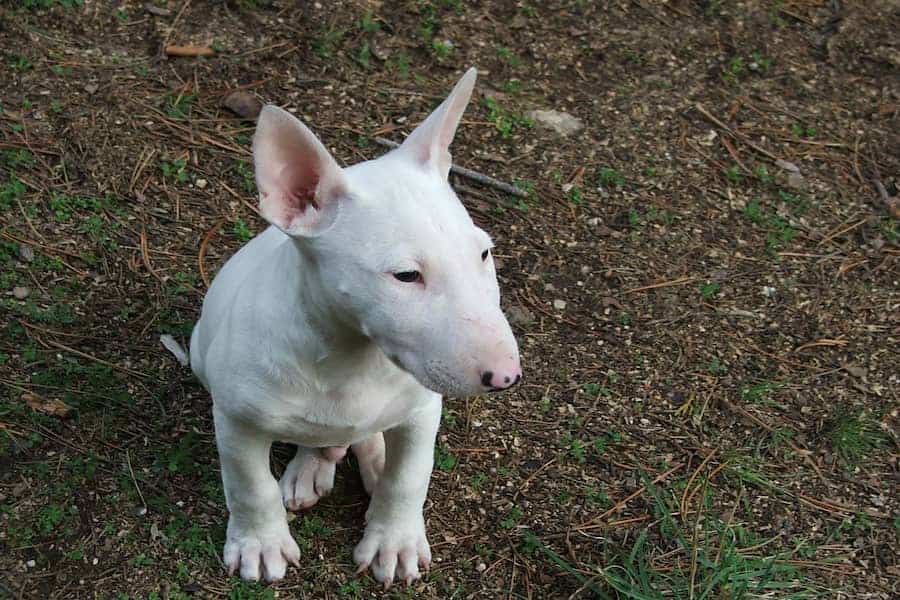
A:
[370,456]
[308,477]
[256,555]
[393,547]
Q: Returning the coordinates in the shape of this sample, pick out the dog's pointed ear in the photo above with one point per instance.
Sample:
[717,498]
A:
[300,184]
[429,143]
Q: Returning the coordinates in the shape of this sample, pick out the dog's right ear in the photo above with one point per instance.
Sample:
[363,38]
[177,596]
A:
[299,182]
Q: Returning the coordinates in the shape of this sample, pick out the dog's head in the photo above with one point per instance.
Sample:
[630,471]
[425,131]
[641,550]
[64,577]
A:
[394,248]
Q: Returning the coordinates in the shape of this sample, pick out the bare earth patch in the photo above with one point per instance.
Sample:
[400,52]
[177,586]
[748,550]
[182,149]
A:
[703,280]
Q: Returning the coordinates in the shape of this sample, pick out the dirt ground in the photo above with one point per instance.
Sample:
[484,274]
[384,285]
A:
[703,281]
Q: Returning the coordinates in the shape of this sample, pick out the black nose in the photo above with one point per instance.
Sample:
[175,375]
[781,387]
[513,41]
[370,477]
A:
[486,378]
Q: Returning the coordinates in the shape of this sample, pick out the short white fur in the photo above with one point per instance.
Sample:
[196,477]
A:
[308,336]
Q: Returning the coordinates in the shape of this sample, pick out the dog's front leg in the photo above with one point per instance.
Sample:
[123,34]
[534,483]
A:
[394,540]
[258,541]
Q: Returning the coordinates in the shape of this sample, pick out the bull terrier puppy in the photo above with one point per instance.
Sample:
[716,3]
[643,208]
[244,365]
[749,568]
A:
[340,326]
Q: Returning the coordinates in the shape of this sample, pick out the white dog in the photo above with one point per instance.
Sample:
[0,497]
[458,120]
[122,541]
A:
[340,326]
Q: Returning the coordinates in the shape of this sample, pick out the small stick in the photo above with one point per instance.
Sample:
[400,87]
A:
[734,133]
[134,479]
[654,286]
[95,359]
[189,51]
[469,174]
[206,238]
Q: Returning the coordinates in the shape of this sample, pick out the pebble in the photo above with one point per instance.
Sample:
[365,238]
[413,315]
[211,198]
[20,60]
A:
[21,292]
[559,304]
[481,567]
[562,123]
[243,104]
[201,183]
[30,564]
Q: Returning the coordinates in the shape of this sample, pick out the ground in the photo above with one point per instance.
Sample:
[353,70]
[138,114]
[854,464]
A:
[703,281]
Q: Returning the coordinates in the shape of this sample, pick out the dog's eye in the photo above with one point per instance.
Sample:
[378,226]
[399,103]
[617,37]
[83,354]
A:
[485,254]
[408,276]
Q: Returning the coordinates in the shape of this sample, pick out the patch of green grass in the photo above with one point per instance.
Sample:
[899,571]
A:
[504,120]
[608,177]
[443,458]
[733,70]
[326,42]
[512,518]
[574,448]
[174,170]
[364,56]
[597,498]
[759,62]
[508,56]
[477,480]
[855,436]
[64,207]
[575,195]
[11,192]
[20,64]
[248,179]
[250,590]
[716,368]
[179,106]
[734,174]
[600,444]
[780,232]
[709,290]
[594,390]
[368,24]
[802,130]
[48,518]
[13,159]
[241,231]
[759,392]
[399,63]
[36,4]
[441,49]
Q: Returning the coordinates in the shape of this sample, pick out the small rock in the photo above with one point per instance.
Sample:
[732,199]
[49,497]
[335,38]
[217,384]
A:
[140,511]
[26,253]
[481,567]
[519,315]
[559,304]
[243,104]
[201,183]
[157,10]
[30,564]
[787,166]
[562,123]
[21,292]
[796,181]
[91,88]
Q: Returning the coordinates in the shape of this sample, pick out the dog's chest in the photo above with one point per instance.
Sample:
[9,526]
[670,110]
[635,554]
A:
[323,409]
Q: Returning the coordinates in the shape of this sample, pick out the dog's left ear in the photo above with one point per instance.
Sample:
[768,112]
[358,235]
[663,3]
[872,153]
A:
[429,143]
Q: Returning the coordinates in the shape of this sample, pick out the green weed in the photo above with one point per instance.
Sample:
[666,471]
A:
[443,458]
[241,231]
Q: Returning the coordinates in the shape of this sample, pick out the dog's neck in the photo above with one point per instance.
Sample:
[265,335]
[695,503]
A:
[335,332]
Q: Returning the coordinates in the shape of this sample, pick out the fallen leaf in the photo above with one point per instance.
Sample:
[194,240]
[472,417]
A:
[48,406]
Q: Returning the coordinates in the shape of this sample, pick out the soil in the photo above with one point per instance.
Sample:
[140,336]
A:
[703,281]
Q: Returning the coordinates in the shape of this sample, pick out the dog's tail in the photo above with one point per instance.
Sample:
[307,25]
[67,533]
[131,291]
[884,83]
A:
[176,349]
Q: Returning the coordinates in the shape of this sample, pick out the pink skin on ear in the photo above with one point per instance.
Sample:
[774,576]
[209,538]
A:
[297,190]
[294,172]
